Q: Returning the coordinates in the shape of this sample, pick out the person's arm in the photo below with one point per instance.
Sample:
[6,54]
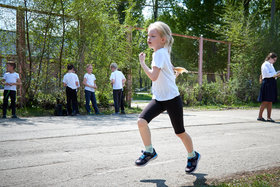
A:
[123,81]
[95,86]
[18,83]
[3,81]
[112,79]
[151,73]
[85,83]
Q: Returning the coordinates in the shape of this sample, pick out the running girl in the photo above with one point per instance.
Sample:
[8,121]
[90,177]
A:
[165,95]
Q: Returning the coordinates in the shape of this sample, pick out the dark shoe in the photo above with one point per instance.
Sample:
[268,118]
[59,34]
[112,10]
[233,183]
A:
[4,117]
[122,112]
[261,119]
[116,113]
[145,158]
[192,163]
[14,116]
[270,120]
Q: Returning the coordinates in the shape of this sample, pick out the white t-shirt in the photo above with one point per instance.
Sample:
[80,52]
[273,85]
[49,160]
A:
[268,70]
[11,78]
[70,80]
[164,88]
[90,81]
[118,77]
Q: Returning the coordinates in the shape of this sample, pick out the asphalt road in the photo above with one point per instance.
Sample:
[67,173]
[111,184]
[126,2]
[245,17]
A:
[101,150]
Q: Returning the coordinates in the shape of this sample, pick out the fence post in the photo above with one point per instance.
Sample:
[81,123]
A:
[21,49]
[228,65]
[200,60]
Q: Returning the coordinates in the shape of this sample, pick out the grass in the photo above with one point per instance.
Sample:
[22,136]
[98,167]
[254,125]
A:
[266,178]
[142,96]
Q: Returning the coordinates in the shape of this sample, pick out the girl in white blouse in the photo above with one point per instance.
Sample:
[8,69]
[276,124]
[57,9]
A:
[268,91]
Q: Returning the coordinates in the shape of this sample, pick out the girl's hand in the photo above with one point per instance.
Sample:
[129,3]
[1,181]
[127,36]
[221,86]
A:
[142,57]
[95,87]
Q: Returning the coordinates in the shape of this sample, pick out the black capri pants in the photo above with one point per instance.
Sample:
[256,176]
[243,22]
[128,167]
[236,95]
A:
[174,108]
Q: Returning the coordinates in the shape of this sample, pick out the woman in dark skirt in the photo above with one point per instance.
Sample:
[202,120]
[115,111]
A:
[268,92]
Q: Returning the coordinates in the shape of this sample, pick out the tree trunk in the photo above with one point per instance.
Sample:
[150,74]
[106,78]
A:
[29,50]
[62,43]
[155,9]
[272,20]
[21,49]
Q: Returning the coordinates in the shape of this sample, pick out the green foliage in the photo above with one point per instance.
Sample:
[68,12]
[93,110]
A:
[264,179]
[215,93]
[103,100]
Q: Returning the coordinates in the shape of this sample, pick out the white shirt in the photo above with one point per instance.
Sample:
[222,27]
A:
[11,78]
[70,80]
[118,77]
[268,70]
[90,81]
[164,88]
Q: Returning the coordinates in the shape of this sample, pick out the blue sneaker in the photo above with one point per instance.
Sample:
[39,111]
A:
[145,158]
[192,163]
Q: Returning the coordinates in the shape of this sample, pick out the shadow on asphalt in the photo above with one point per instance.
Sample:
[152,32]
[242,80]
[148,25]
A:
[158,182]
[18,121]
[199,181]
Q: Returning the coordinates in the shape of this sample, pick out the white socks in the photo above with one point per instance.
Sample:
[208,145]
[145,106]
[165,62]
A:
[191,155]
[149,148]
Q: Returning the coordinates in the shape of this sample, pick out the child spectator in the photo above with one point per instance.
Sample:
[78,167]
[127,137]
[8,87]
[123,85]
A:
[11,80]
[90,86]
[117,80]
[71,82]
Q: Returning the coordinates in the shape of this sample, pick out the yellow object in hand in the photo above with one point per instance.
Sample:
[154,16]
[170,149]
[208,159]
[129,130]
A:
[180,70]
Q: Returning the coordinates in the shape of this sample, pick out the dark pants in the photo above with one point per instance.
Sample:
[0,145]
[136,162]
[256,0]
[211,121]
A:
[117,95]
[71,95]
[122,102]
[90,96]
[12,94]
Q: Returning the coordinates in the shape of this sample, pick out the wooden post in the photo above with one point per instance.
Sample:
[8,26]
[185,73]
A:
[200,60]
[128,94]
[21,50]
[228,65]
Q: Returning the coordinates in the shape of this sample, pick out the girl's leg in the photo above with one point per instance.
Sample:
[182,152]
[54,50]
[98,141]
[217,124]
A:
[262,107]
[187,141]
[153,109]
[144,131]
[175,111]
[269,109]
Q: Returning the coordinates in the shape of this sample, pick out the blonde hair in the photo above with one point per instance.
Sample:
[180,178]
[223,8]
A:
[88,65]
[164,31]
[114,65]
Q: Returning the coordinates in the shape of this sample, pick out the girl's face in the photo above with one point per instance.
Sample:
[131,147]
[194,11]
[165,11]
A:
[89,69]
[272,60]
[9,68]
[155,41]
